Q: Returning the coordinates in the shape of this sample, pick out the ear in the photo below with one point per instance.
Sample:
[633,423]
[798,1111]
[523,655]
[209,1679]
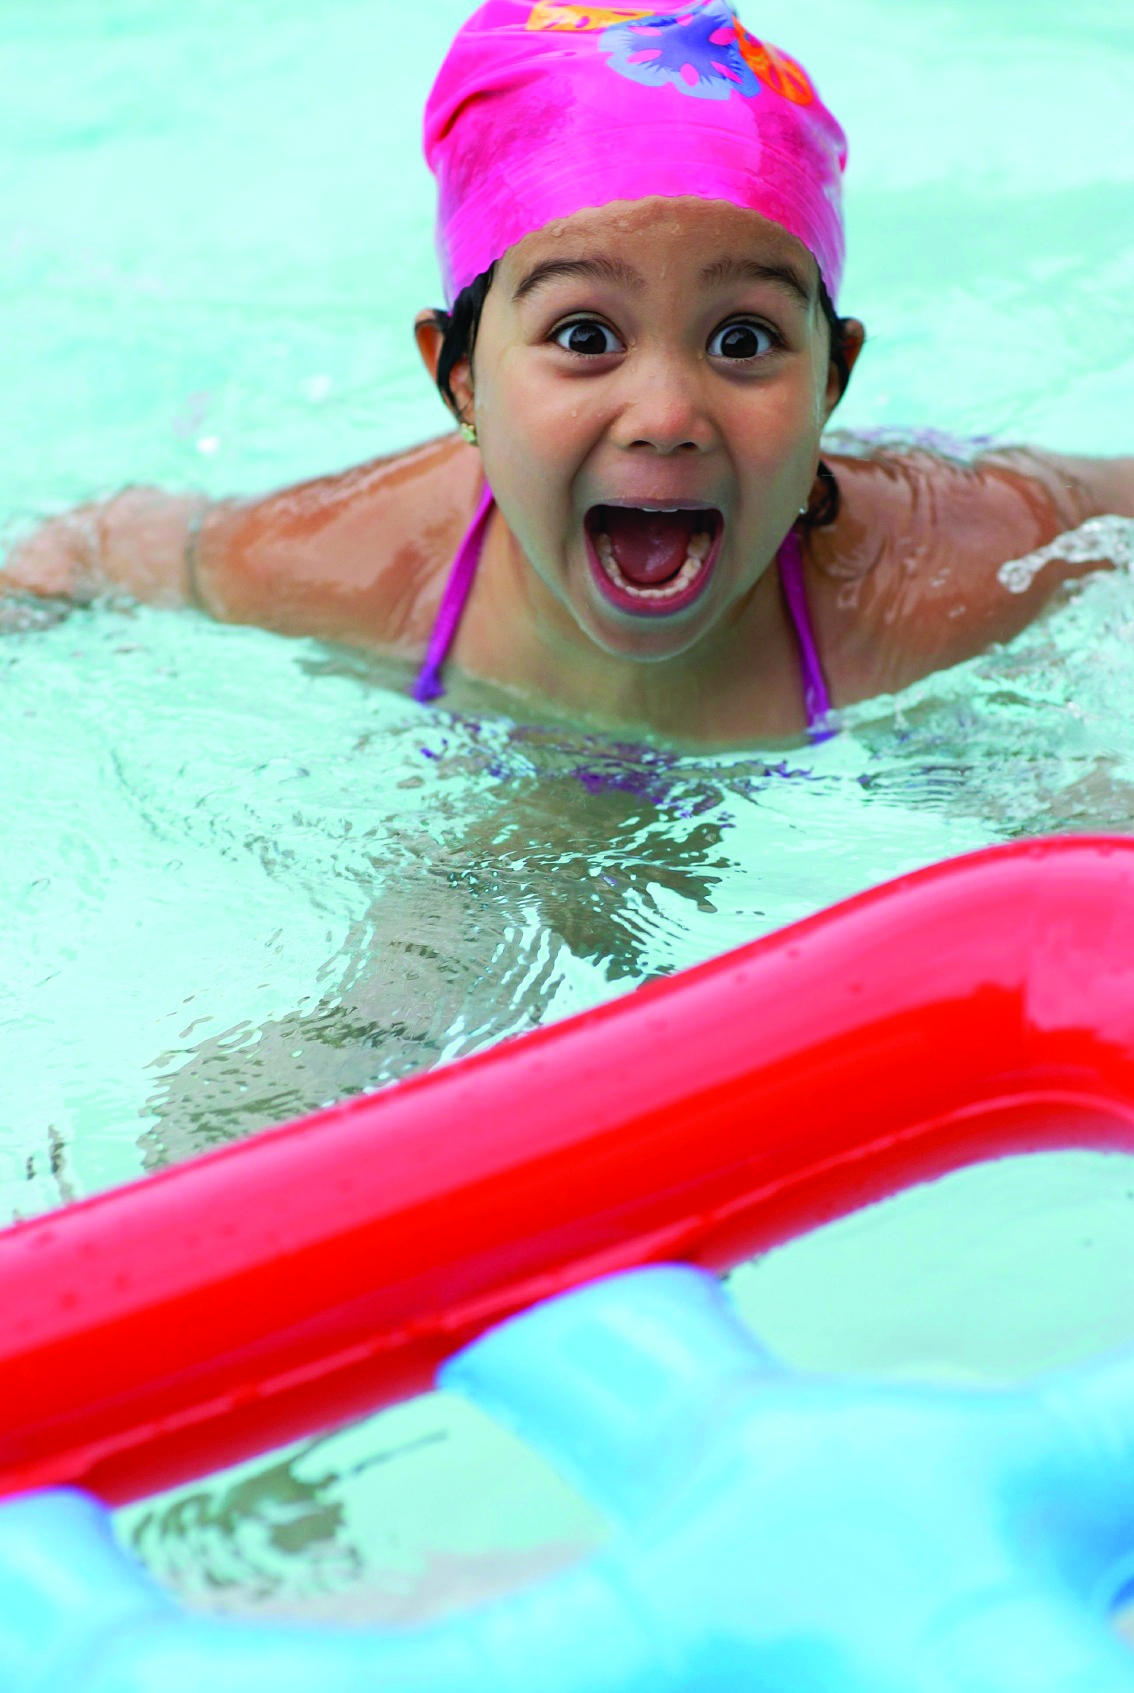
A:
[430,335]
[855,339]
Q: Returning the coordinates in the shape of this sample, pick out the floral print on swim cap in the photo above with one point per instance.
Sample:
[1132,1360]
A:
[697,51]
[775,69]
[545,108]
[701,48]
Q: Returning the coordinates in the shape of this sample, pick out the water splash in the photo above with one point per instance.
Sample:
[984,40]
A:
[1101,541]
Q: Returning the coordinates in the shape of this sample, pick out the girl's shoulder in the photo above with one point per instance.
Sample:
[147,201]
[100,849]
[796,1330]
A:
[915,572]
[360,556]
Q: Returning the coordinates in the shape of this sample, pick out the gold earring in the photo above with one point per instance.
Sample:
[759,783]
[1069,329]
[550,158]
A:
[468,430]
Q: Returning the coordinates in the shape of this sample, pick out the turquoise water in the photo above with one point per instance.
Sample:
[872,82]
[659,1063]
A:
[245,876]
[989,1276]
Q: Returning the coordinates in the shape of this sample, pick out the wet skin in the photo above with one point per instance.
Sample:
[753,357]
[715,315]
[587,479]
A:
[661,353]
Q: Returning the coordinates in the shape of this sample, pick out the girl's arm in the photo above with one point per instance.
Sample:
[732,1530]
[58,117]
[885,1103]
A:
[137,543]
[356,557]
[1107,484]
[915,568]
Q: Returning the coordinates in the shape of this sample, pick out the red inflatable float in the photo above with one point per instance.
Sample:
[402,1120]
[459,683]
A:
[324,1268]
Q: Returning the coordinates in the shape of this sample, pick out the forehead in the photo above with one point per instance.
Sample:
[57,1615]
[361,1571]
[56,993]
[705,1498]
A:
[661,231]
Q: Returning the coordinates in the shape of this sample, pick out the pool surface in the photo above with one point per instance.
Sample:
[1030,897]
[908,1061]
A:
[243,876]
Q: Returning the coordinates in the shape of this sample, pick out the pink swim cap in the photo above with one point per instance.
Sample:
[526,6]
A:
[541,110]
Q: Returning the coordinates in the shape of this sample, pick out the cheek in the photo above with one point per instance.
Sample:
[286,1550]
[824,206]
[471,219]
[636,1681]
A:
[775,434]
[548,417]
[530,457]
[534,433]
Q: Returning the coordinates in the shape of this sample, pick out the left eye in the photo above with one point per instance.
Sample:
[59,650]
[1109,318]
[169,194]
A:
[588,337]
[741,341]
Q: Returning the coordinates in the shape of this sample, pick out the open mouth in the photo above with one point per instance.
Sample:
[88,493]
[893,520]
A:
[650,559]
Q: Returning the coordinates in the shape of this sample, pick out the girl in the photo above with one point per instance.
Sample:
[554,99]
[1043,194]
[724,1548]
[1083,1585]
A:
[641,235]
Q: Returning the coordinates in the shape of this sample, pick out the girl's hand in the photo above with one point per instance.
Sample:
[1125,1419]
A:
[135,543]
[21,614]
[59,560]
[1108,484]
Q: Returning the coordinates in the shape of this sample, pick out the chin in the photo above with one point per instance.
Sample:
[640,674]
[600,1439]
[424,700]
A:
[642,641]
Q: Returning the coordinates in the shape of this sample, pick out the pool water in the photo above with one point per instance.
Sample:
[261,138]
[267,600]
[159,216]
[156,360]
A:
[987,1277]
[244,876]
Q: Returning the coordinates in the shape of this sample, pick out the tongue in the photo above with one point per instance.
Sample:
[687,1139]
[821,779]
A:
[649,546]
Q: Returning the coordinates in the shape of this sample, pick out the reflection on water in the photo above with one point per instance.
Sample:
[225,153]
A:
[568,857]
[420,1511]
[989,1276]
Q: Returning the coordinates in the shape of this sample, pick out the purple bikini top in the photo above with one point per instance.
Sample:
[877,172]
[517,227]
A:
[816,697]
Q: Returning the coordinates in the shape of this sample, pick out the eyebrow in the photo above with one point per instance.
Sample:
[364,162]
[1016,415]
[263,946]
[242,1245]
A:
[596,270]
[756,270]
[601,269]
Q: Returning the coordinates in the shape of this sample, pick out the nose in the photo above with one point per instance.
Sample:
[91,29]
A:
[664,411]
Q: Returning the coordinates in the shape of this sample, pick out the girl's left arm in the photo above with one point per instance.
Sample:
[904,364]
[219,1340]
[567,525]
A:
[938,592]
[1105,486]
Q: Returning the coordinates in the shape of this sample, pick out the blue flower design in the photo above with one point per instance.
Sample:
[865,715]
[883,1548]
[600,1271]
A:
[693,49]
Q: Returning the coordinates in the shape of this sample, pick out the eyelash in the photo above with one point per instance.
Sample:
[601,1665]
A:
[564,329]
[775,341]
[581,323]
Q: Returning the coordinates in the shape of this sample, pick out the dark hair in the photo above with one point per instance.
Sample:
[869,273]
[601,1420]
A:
[459,329]
[818,516]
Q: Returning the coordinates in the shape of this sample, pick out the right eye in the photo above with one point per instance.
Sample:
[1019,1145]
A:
[587,337]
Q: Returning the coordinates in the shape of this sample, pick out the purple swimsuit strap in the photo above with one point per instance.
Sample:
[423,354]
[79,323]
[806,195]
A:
[429,686]
[816,695]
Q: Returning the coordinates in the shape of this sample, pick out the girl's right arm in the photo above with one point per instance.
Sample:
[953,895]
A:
[358,557]
[136,543]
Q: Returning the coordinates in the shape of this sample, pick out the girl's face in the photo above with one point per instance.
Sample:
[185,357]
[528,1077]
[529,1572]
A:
[649,387]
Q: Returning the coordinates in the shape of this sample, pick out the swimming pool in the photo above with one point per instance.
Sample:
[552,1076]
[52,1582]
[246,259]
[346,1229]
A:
[245,876]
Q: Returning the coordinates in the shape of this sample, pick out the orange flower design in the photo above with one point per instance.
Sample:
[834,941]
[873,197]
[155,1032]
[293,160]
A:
[557,14]
[776,70]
